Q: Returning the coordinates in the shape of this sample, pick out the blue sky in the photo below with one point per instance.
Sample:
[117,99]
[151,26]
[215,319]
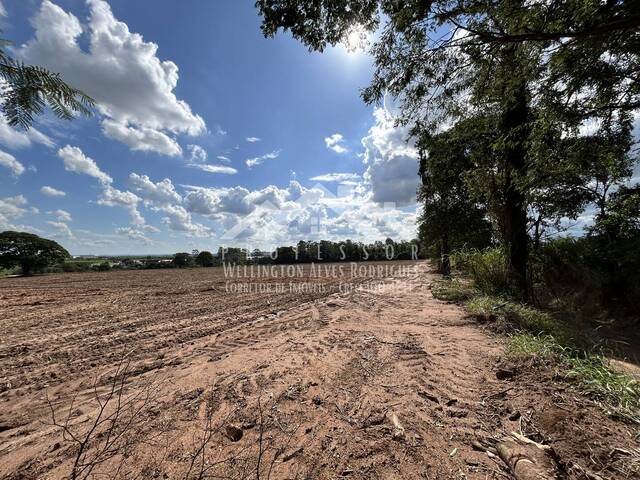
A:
[205,134]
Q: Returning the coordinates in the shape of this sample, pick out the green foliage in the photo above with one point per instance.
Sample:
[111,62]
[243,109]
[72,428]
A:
[619,217]
[452,290]
[593,276]
[521,77]
[76,266]
[205,259]
[450,218]
[182,260]
[102,267]
[524,345]
[487,268]
[617,393]
[514,315]
[28,89]
[29,251]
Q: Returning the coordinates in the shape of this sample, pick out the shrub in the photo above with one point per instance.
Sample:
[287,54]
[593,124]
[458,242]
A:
[487,268]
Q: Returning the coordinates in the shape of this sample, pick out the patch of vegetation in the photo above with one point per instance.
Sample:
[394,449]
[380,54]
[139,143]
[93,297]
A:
[452,290]
[487,268]
[617,394]
[481,285]
[511,315]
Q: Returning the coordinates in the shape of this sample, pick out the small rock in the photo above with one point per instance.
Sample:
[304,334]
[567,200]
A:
[233,433]
[317,400]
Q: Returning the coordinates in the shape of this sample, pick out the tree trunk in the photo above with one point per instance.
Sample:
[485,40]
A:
[528,460]
[514,127]
[26,269]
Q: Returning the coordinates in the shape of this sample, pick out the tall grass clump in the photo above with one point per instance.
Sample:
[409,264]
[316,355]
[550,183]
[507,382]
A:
[487,268]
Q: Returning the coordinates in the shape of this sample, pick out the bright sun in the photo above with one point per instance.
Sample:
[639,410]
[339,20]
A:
[356,41]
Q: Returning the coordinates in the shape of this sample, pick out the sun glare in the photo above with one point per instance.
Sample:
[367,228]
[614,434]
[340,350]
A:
[356,41]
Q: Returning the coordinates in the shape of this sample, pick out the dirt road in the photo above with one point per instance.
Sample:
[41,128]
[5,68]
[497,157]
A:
[197,382]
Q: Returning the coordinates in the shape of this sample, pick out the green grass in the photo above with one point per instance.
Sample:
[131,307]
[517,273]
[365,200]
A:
[538,334]
[452,290]
[515,315]
[616,393]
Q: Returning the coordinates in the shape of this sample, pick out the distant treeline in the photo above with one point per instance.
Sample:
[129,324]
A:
[302,252]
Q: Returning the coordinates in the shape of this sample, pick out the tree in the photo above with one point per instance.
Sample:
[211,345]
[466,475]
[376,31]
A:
[29,251]
[29,88]
[182,260]
[518,63]
[450,219]
[620,216]
[205,259]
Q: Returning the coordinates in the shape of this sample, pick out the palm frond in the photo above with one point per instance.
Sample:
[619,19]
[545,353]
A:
[28,89]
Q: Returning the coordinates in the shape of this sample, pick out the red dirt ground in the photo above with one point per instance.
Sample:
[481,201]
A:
[378,382]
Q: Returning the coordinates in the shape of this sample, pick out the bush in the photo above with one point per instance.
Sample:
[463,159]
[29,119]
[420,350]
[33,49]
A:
[487,268]
[81,266]
[563,276]
[589,276]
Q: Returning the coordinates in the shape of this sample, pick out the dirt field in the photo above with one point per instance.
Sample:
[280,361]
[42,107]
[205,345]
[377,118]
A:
[166,374]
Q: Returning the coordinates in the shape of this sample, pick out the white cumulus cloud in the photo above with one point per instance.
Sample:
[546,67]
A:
[61,215]
[9,161]
[122,71]
[112,197]
[335,177]
[160,193]
[198,154]
[77,162]
[392,170]
[62,229]
[12,138]
[179,219]
[335,143]
[134,234]
[141,138]
[12,208]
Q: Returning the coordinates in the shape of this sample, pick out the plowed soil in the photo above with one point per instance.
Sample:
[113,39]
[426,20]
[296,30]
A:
[166,374]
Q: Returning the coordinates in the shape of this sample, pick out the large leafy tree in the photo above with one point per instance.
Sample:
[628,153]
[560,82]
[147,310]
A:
[28,89]
[28,251]
[205,259]
[520,63]
[451,219]
[182,260]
